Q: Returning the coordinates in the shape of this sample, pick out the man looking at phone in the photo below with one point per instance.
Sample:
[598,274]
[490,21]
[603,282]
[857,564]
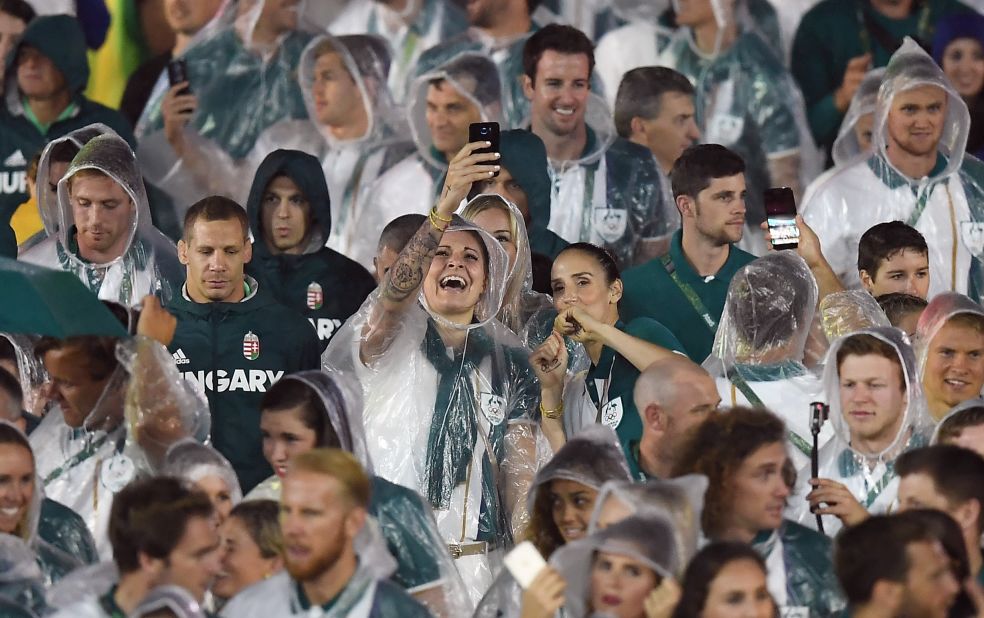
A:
[685,288]
[918,174]
[606,190]
[47,73]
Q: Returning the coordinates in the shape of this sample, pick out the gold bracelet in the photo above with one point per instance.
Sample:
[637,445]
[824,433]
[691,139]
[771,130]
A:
[435,222]
[437,216]
[553,414]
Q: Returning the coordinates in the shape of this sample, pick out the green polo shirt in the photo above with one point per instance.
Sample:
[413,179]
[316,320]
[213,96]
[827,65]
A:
[611,381]
[651,292]
[635,463]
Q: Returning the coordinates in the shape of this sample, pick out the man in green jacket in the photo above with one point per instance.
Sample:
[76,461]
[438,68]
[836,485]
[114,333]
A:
[46,74]
[290,217]
[685,289]
[233,339]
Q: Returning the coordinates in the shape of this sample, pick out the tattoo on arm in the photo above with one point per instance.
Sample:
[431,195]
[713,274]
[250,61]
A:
[408,272]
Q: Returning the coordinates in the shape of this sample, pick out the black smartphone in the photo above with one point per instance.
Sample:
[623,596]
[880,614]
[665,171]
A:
[177,72]
[485,132]
[780,212]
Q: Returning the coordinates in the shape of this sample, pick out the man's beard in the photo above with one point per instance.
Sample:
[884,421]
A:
[319,564]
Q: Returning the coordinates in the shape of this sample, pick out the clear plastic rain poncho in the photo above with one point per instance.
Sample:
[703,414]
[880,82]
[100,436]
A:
[947,206]
[612,195]
[680,500]
[89,582]
[870,478]
[849,311]
[527,313]
[860,114]
[747,101]
[53,561]
[192,461]
[150,263]
[592,458]
[21,580]
[456,423]
[954,411]
[144,408]
[30,373]
[934,317]
[401,540]
[173,599]
[413,184]
[758,352]
[647,539]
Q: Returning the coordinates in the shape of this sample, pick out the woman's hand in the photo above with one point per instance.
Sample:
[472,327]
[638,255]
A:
[544,596]
[464,169]
[839,502]
[177,110]
[578,325]
[550,363]
[663,600]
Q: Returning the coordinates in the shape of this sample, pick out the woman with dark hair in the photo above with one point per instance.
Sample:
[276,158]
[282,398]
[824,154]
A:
[726,580]
[587,287]
[958,47]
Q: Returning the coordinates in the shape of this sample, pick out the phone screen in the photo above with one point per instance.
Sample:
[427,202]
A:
[780,212]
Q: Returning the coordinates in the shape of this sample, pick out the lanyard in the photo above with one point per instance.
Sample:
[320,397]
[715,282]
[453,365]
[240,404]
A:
[689,292]
[865,21]
[602,396]
[875,491]
[921,202]
[746,390]
[76,459]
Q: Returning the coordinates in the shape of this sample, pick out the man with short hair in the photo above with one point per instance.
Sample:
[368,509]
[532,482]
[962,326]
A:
[394,238]
[442,105]
[605,189]
[893,257]
[949,479]
[917,173]
[14,17]
[324,505]
[672,396]
[963,426]
[100,229]
[902,310]
[12,404]
[654,108]
[497,29]
[233,340]
[685,289]
[162,534]
[46,73]
[894,566]
[950,343]
[742,452]
[875,400]
[290,218]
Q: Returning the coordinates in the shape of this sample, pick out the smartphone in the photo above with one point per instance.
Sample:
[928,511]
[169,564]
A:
[780,212]
[485,132]
[177,72]
[524,563]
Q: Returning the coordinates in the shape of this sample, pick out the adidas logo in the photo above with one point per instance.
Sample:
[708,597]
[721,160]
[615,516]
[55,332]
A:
[180,358]
[15,160]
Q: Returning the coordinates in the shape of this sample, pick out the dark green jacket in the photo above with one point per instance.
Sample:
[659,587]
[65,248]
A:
[211,347]
[323,285]
[830,34]
[403,518]
[60,38]
[651,292]
[65,529]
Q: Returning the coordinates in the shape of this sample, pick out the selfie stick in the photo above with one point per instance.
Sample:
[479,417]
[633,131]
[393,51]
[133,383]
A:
[818,414]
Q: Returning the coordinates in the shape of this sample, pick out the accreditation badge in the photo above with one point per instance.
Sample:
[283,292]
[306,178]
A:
[972,236]
[612,412]
[117,472]
[315,296]
[795,612]
[251,346]
[493,407]
[610,223]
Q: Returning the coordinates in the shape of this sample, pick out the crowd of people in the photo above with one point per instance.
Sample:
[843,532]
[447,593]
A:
[364,363]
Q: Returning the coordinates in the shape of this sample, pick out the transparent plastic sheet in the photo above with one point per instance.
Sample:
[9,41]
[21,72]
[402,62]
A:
[173,598]
[192,461]
[680,500]
[149,265]
[90,581]
[954,411]
[404,527]
[934,317]
[867,477]
[525,312]
[647,539]
[747,100]
[759,348]
[849,311]
[636,44]
[488,395]
[863,104]
[952,219]
[161,408]
[21,579]
[31,373]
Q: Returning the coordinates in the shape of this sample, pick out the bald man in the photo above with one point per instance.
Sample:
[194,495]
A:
[673,396]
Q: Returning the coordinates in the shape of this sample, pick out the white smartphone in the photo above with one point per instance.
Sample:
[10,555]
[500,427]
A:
[524,563]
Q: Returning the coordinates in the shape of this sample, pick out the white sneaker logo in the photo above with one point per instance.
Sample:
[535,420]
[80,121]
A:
[180,358]
[15,160]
